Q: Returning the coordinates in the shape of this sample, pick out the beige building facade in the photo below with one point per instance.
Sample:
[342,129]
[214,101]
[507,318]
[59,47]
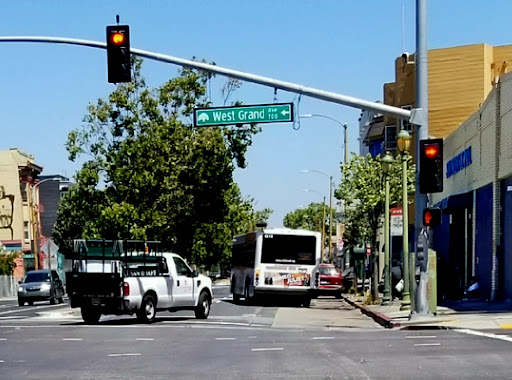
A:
[19,215]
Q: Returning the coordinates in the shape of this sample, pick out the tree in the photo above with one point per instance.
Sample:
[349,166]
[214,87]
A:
[150,174]
[7,261]
[362,189]
[309,218]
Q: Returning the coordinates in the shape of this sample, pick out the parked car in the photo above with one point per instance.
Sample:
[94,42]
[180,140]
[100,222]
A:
[40,285]
[331,280]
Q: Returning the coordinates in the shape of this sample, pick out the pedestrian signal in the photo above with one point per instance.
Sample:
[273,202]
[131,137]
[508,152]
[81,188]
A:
[431,217]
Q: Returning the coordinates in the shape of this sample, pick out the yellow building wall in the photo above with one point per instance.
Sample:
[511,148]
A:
[459,80]
[10,162]
[10,181]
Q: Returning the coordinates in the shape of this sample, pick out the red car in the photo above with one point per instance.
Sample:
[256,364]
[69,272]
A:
[330,280]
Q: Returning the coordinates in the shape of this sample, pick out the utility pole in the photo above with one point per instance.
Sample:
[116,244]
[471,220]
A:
[421,200]
[345,143]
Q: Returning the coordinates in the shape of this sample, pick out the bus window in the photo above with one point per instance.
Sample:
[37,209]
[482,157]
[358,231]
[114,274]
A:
[288,249]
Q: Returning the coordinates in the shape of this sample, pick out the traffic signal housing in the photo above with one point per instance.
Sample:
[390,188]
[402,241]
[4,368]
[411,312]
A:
[431,217]
[118,54]
[431,166]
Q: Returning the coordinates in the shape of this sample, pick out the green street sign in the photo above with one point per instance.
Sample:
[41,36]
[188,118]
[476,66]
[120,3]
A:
[260,113]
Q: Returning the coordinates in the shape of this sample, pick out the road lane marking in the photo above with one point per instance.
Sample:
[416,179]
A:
[427,344]
[22,308]
[14,317]
[225,338]
[251,337]
[144,339]
[323,337]
[72,339]
[487,335]
[1,361]
[268,349]
[115,355]
[420,337]
[3,338]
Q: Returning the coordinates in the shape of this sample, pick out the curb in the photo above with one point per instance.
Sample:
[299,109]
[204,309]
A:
[380,318]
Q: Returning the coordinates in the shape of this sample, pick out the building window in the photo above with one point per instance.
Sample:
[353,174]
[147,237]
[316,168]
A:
[23,189]
[389,138]
[26,234]
[405,124]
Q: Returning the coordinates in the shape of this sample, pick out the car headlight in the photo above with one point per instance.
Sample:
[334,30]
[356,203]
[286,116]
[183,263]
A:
[45,287]
[21,289]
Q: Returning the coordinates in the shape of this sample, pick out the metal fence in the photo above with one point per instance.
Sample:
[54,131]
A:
[8,286]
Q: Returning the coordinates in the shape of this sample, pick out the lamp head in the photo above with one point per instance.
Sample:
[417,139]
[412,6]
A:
[403,141]
[386,162]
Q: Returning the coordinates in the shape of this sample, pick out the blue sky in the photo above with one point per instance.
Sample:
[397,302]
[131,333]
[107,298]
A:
[341,46]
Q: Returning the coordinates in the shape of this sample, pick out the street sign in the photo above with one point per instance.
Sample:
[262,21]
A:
[397,221]
[260,113]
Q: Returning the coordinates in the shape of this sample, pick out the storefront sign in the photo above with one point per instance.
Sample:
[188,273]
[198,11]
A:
[459,162]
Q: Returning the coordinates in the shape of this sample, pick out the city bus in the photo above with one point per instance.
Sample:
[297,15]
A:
[276,261]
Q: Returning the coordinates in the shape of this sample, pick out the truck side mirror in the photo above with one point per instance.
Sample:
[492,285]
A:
[195,273]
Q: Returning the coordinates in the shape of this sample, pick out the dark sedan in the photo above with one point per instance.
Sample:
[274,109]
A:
[40,285]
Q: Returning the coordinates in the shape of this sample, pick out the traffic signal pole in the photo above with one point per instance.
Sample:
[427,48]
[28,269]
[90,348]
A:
[420,200]
[332,97]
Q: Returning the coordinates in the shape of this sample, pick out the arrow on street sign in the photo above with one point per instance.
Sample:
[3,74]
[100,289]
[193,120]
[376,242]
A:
[259,113]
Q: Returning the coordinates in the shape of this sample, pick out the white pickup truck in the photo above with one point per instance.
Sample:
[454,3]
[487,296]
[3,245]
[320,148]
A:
[140,284]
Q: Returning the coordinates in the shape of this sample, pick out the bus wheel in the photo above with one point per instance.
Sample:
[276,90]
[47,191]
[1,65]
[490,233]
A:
[236,298]
[248,299]
[306,302]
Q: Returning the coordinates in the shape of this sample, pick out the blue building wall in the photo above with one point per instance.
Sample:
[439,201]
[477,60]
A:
[507,238]
[483,239]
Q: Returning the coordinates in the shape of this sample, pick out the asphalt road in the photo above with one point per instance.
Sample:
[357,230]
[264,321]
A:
[241,341]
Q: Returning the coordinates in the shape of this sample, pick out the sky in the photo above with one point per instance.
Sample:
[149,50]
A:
[341,46]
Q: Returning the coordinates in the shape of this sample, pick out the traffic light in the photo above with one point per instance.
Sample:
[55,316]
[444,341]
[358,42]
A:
[431,166]
[431,217]
[118,54]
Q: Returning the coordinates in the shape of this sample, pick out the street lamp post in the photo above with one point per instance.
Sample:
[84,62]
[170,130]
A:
[344,125]
[330,206]
[404,142]
[386,161]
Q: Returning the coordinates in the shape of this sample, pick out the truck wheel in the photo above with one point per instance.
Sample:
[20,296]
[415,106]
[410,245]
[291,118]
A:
[202,309]
[306,302]
[90,315]
[236,298]
[147,311]
[20,302]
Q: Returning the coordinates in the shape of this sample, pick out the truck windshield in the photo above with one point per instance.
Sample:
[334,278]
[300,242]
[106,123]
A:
[288,249]
[37,277]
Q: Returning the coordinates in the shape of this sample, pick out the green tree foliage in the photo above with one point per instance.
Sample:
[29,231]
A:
[309,218]
[151,175]
[7,261]
[362,190]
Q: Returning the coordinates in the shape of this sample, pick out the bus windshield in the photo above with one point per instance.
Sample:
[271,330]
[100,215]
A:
[288,249]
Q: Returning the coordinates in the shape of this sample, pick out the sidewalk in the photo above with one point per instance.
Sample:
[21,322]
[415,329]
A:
[471,314]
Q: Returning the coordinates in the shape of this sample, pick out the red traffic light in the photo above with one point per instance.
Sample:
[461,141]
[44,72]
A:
[117,38]
[432,151]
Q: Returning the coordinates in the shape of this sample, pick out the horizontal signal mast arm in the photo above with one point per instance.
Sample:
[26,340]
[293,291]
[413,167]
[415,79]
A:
[269,82]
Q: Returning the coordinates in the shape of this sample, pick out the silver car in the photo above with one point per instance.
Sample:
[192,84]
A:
[40,285]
